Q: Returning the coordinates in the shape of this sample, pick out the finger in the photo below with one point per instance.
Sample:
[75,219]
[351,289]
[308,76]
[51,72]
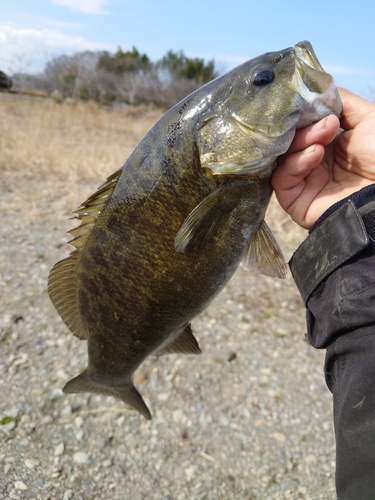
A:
[322,132]
[295,167]
[355,109]
[290,179]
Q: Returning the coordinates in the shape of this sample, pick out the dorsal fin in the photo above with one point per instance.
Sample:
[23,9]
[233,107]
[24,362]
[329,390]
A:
[90,210]
[61,280]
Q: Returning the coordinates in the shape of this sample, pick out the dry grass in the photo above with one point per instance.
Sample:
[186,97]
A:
[63,152]
[80,140]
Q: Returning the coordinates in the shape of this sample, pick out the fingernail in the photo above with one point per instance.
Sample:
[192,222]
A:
[310,149]
[320,124]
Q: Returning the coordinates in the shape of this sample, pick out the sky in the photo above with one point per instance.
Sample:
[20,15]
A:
[228,31]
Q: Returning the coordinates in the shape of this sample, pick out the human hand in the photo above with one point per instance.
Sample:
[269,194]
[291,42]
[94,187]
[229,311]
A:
[323,166]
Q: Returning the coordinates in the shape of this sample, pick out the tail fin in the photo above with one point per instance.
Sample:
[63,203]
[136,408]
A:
[128,394]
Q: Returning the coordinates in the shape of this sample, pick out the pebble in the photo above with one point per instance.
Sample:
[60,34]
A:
[10,426]
[310,459]
[47,419]
[56,393]
[31,464]
[80,457]
[79,435]
[120,420]
[178,416]
[68,494]
[259,422]
[190,473]
[61,374]
[78,421]
[13,412]
[163,396]
[20,485]
[107,463]
[101,442]
[56,472]
[223,420]
[59,450]
[279,436]
[158,465]
[66,411]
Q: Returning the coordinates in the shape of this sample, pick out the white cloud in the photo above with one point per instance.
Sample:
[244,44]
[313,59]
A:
[28,50]
[87,6]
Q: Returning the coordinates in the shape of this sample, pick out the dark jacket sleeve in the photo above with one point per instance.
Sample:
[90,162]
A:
[334,269]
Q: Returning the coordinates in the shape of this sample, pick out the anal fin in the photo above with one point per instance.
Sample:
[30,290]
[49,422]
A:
[264,254]
[128,394]
[185,343]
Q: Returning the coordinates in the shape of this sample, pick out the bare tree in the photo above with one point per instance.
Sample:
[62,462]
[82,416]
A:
[19,69]
[124,76]
[70,74]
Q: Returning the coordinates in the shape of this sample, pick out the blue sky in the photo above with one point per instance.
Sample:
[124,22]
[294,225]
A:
[230,32]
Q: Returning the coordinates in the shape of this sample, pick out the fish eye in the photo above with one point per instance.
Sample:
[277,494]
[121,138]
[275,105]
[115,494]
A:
[263,77]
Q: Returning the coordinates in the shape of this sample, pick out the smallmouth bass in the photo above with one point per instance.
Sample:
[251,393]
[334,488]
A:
[164,234]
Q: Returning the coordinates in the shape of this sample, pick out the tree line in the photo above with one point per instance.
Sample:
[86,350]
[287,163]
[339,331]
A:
[124,76]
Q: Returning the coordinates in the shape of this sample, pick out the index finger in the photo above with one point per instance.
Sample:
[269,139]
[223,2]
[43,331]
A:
[323,132]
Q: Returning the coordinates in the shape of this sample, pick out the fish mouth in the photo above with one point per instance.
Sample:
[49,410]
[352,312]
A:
[314,85]
[305,53]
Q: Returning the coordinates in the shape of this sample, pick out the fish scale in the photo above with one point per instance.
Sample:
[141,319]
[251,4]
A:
[164,234]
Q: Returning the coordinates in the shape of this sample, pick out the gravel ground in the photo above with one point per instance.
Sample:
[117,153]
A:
[248,419]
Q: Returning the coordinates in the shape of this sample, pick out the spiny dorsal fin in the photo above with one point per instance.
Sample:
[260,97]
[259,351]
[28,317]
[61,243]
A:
[61,280]
[264,254]
[185,343]
[90,210]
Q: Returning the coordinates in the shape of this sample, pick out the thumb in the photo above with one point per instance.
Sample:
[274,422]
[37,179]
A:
[355,109]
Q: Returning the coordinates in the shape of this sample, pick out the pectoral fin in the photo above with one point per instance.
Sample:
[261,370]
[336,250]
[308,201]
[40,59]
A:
[264,254]
[201,223]
[185,343]
[128,394]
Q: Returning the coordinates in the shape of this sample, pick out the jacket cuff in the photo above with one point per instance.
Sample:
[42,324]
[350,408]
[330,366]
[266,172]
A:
[359,198]
[339,236]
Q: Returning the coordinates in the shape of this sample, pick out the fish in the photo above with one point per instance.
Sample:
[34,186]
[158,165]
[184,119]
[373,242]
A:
[165,232]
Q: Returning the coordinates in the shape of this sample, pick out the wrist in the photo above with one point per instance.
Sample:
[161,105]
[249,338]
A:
[342,232]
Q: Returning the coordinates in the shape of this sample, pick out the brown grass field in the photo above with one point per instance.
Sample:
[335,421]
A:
[67,145]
